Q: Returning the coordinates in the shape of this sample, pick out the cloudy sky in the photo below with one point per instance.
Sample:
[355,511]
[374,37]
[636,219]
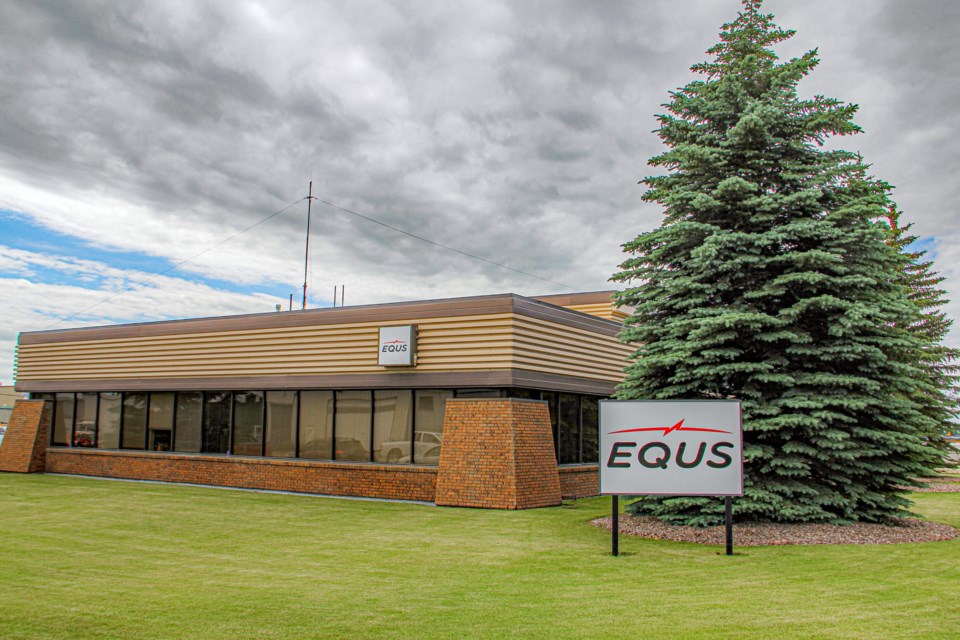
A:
[137,135]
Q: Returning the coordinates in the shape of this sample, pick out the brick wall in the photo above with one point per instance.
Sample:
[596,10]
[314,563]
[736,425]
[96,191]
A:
[497,454]
[402,482]
[581,481]
[28,433]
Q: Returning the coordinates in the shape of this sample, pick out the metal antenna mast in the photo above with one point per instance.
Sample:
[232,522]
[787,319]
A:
[306,257]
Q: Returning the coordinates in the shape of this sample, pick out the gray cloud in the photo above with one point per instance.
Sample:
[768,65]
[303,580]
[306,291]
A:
[513,130]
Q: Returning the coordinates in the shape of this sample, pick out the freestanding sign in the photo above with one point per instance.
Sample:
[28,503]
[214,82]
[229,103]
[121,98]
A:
[671,447]
[398,346]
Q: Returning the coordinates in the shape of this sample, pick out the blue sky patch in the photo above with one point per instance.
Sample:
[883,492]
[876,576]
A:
[22,233]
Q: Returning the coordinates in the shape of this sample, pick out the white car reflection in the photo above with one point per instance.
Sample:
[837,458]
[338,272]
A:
[423,441]
[430,456]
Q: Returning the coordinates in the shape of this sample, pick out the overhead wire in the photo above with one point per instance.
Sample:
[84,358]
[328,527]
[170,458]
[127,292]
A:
[171,268]
[286,208]
[437,244]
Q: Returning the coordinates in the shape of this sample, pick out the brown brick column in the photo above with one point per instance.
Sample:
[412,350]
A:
[497,454]
[24,447]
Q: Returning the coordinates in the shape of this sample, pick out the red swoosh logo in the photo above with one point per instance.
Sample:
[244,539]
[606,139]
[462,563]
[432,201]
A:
[677,427]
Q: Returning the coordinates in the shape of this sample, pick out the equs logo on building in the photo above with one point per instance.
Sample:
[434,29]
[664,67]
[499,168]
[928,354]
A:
[661,454]
[394,346]
[397,346]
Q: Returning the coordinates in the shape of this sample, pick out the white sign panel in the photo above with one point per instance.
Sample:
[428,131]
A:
[398,346]
[682,447]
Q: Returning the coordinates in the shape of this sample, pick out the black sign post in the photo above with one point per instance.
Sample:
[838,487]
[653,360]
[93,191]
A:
[615,530]
[728,522]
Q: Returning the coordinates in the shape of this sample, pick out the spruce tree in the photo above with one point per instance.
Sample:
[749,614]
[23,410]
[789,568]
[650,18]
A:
[769,280]
[931,325]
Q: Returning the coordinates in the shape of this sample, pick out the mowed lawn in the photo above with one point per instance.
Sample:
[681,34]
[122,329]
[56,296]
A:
[86,558]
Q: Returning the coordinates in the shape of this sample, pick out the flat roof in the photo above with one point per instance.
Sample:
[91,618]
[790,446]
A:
[549,307]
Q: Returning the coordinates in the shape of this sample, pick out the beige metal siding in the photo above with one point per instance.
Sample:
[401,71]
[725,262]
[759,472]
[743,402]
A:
[467,342]
[504,338]
[546,347]
[604,310]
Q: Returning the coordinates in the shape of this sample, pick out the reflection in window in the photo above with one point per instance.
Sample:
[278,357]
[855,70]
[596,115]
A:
[62,419]
[551,398]
[430,408]
[569,417]
[189,413]
[479,393]
[247,423]
[591,419]
[216,422]
[161,422]
[392,423]
[352,426]
[281,424]
[85,429]
[134,428]
[316,425]
[108,421]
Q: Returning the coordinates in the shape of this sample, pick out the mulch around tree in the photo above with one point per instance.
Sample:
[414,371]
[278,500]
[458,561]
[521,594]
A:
[759,534]
[947,483]
[765,534]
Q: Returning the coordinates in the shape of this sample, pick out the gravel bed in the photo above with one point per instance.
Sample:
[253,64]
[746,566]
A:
[950,486]
[763,534]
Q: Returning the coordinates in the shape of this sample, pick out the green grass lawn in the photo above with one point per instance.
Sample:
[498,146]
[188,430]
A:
[85,558]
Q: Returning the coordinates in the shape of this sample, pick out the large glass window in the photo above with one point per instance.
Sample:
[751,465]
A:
[392,425]
[281,424]
[189,416]
[479,393]
[352,427]
[551,398]
[62,418]
[134,429]
[316,425]
[85,429]
[108,421]
[216,421]
[430,407]
[161,422]
[569,419]
[590,421]
[247,423]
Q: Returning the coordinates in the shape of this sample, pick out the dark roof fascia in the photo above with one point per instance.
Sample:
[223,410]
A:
[394,312]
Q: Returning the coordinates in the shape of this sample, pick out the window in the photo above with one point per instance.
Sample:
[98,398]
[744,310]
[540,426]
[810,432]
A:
[247,423]
[134,428]
[281,424]
[160,437]
[478,393]
[590,429]
[569,422]
[385,425]
[62,419]
[108,421]
[189,417]
[392,425]
[85,429]
[316,425]
[429,411]
[216,422]
[352,425]
[551,398]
